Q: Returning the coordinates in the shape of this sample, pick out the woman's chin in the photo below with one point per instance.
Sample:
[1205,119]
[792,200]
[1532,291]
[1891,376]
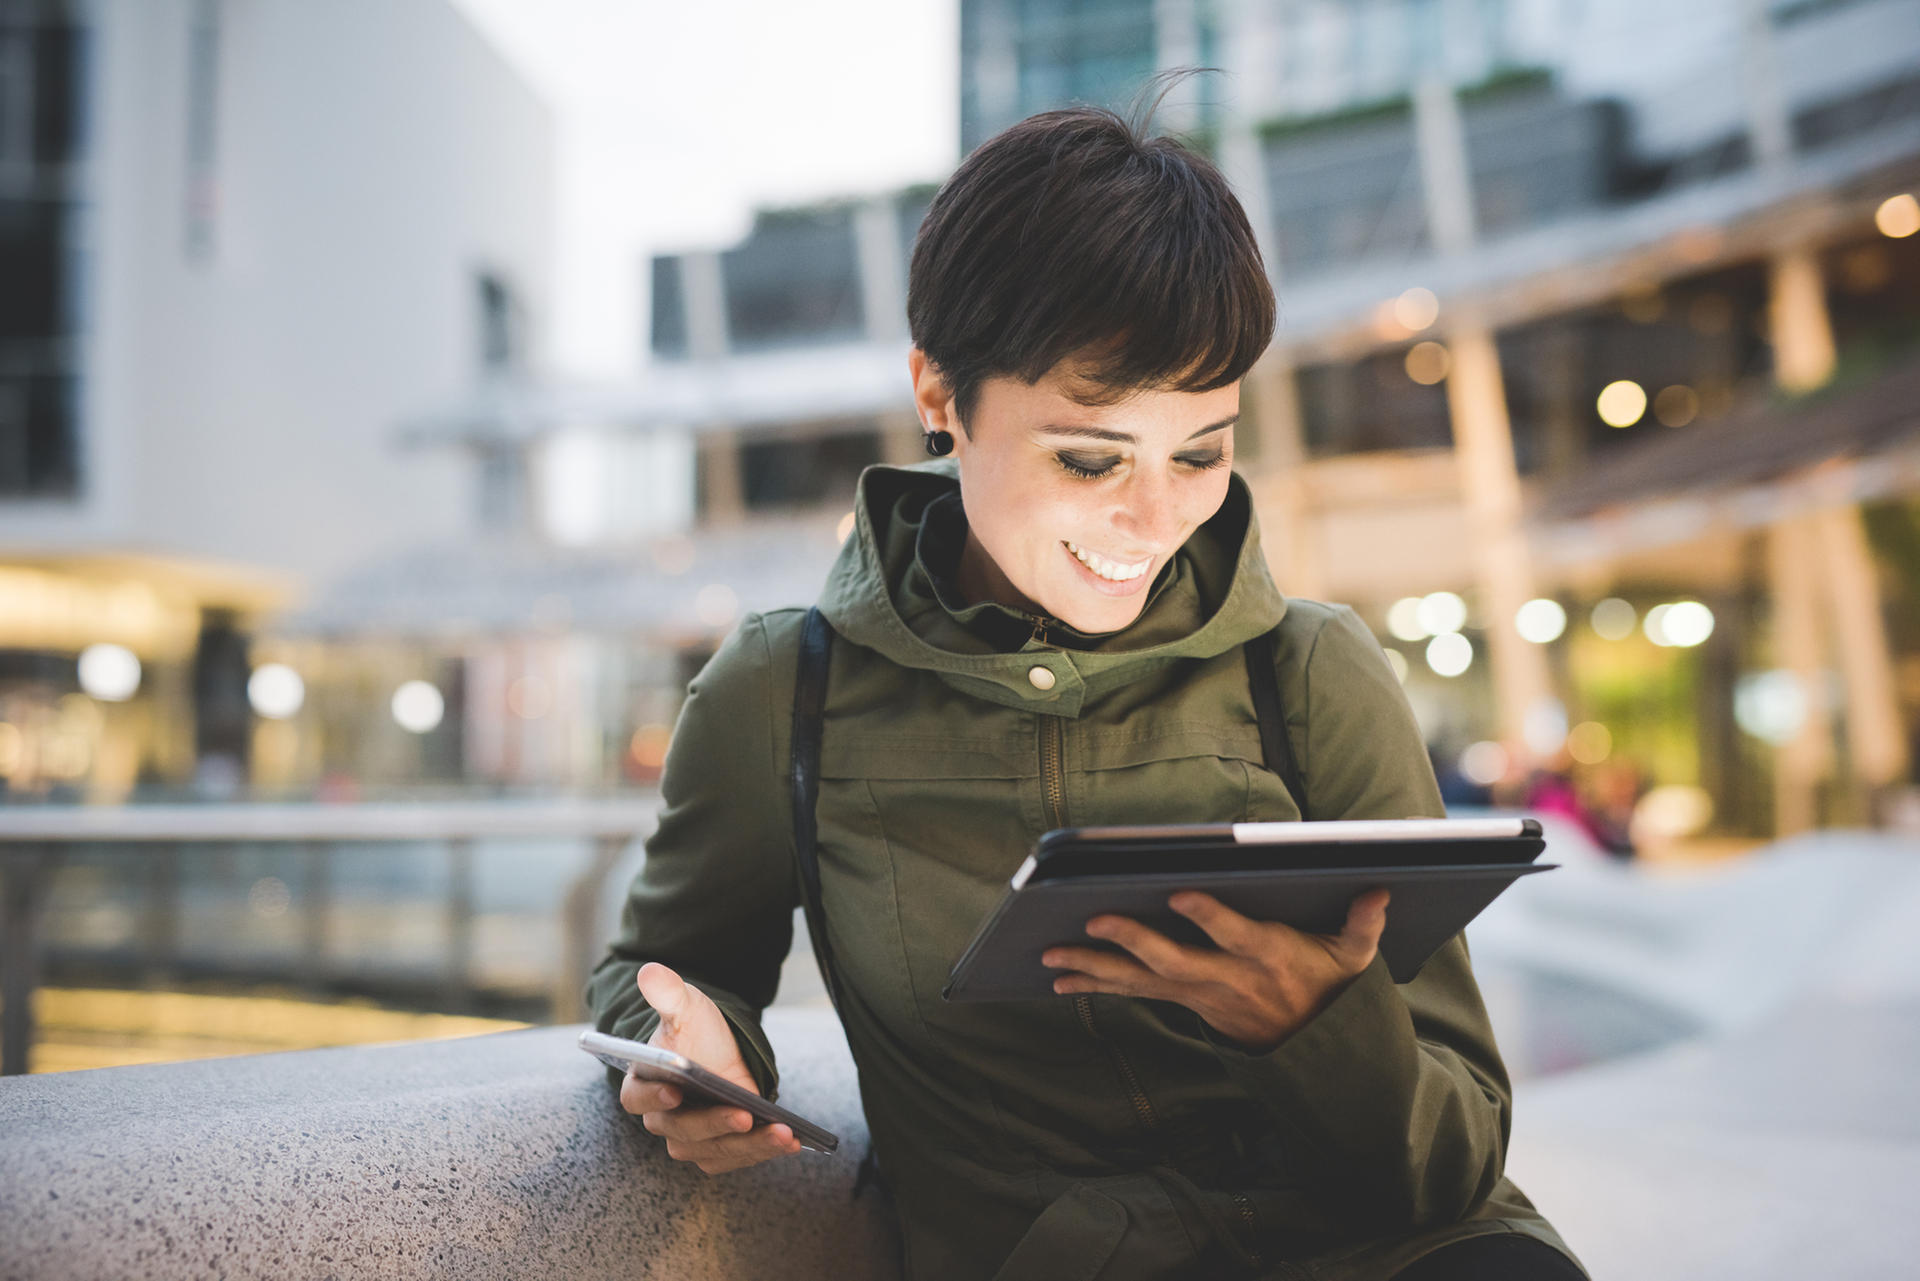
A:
[1101,614]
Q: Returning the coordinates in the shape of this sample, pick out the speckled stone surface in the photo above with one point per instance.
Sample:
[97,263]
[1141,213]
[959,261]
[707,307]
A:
[496,1156]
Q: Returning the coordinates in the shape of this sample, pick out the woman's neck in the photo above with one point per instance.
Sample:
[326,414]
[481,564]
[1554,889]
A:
[981,581]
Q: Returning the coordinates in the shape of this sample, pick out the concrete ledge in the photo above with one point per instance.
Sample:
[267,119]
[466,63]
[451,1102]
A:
[1779,1152]
[494,1156]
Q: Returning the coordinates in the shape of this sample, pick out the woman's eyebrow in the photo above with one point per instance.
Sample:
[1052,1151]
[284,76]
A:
[1123,438]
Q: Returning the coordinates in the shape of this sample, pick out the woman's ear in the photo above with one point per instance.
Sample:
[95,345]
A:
[932,399]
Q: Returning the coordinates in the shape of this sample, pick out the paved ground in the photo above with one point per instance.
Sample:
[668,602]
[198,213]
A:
[1777,1135]
[1785,1151]
[1716,1063]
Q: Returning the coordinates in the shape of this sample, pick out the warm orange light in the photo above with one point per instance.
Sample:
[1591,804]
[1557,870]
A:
[1589,742]
[1898,216]
[1676,406]
[1386,323]
[1428,363]
[1622,403]
[649,746]
[1417,308]
[1710,314]
[529,698]
[1866,270]
[1643,305]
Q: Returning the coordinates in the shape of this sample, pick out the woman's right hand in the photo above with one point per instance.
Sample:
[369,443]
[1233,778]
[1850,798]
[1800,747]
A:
[716,1139]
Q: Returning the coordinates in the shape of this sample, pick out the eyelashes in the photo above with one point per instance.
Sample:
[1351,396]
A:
[1088,467]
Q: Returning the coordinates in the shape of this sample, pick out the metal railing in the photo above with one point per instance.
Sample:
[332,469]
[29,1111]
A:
[33,842]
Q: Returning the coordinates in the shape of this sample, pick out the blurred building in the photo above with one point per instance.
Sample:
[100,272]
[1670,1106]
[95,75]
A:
[240,239]
[1589,313]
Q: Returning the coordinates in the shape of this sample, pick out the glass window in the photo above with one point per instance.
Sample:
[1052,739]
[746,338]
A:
[502,324]
[58,55]
[1344,192]
[39,446]
[807,471]
[31,262]
[794,280]
[912,211]
[1371,404]
[669,308]
[203,117]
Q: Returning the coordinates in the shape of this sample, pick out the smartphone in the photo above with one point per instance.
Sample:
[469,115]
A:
[650,1063]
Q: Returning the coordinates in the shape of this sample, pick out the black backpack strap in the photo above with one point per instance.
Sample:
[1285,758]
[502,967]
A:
[809,717]
[809,721]
[1275,745]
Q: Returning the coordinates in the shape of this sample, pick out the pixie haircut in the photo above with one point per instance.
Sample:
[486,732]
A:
[1073,236]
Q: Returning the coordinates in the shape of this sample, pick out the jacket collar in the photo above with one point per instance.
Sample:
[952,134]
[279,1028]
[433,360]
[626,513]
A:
[891,591]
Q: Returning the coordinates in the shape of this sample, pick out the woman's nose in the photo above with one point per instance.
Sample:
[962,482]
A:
[1150,513]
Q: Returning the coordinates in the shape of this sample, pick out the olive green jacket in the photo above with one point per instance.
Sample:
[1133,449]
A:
[1078,1136]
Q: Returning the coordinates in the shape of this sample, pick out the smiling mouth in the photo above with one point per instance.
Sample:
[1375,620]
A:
[1112,570]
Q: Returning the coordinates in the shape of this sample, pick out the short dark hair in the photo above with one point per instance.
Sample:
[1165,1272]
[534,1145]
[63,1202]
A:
[1073,235]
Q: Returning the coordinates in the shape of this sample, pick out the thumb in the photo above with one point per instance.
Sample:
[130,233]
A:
[1366,922]
[665,991]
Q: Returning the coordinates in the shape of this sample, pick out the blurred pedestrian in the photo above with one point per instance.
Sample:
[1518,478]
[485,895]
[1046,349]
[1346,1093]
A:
[1552,789]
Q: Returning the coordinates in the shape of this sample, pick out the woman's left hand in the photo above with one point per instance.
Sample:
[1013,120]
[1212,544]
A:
[1262,985]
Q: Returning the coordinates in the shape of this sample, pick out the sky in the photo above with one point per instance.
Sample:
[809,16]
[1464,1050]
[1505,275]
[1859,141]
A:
[675,120]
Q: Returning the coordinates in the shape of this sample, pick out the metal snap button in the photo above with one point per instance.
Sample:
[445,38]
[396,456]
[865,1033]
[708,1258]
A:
[1042,677]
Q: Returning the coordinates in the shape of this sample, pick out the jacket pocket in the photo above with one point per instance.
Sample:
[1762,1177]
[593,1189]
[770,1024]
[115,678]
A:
[1071,1240]
[1124,1228]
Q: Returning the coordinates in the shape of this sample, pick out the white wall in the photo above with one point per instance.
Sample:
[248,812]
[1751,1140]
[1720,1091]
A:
[372,156]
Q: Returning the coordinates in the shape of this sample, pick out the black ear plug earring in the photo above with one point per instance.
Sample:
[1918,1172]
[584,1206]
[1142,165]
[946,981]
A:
[938,443]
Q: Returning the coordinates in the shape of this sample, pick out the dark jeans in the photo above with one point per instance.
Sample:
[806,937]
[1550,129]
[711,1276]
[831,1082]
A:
[1499,1256]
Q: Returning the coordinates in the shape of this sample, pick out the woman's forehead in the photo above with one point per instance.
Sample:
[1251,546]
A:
[1056,403]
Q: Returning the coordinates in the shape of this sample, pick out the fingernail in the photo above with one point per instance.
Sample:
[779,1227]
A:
[1051,959]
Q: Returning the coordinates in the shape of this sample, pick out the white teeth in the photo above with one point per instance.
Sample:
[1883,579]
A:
[1112,571]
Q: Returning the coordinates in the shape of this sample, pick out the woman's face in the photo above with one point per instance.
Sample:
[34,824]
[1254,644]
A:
[1072,510]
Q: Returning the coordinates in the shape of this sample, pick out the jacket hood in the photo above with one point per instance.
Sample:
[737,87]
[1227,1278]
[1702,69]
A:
[891,591]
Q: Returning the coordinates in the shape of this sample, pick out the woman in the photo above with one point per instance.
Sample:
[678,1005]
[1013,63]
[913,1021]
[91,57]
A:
[1046,629]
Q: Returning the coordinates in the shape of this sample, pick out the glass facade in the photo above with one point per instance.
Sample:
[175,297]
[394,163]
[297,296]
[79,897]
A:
[810,471]
[794,280]
[42,145]
[1022,56]
[669,308]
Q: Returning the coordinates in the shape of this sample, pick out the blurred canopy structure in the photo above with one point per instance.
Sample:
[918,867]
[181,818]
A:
[1606,305]
[1479,219]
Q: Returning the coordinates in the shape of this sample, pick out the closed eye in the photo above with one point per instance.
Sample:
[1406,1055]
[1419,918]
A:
[1087,467]
[1091,467]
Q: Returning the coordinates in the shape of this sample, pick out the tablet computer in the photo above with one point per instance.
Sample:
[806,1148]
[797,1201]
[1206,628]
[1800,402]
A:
[1440,872]
[651,1063]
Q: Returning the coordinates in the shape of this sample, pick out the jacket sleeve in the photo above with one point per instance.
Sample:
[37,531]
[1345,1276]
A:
[1394,1095]
[715,898]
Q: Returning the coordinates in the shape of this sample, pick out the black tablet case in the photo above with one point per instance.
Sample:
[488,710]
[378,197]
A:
[1430,904]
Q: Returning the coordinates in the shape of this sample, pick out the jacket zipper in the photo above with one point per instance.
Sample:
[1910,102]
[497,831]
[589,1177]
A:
[1053,774]
[1135,1095]
[1252,1221]
[1053,777]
